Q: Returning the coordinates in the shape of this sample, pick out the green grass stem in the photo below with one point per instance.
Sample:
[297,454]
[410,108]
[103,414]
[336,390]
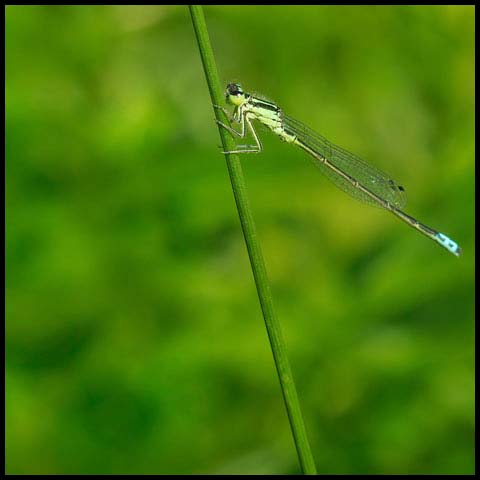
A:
[254,251]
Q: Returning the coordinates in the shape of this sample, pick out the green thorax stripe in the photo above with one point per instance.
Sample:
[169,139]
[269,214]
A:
[257,102]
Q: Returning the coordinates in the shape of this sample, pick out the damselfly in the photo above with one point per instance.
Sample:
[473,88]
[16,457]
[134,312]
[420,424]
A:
[351,174]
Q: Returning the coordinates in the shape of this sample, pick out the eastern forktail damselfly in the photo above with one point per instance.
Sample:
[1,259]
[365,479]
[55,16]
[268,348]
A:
[351,174]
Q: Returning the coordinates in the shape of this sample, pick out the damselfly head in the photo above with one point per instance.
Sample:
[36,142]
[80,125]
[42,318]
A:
[234,94]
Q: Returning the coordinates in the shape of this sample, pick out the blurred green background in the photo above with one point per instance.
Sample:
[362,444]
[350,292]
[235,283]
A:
[134,338]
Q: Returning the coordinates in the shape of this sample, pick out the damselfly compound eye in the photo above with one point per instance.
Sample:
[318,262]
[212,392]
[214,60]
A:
[234,89]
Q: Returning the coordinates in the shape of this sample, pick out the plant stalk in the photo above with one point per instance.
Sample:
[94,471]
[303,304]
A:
[254,251]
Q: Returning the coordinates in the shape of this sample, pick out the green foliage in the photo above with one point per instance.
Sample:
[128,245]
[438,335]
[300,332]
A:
[134,340]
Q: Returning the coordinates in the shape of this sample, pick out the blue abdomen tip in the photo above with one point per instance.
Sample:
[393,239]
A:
[449,244]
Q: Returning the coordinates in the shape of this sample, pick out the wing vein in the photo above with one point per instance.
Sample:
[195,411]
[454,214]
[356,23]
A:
[367,175]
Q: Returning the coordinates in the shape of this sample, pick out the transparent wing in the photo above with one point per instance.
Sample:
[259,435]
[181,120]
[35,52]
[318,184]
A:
[370,177]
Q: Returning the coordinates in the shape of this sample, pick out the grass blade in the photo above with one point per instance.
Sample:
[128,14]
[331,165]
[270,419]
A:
[254,251]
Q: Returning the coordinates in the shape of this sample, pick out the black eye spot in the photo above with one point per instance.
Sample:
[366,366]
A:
[234,89]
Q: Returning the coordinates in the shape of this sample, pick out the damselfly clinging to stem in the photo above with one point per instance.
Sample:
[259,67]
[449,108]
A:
[348,172]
